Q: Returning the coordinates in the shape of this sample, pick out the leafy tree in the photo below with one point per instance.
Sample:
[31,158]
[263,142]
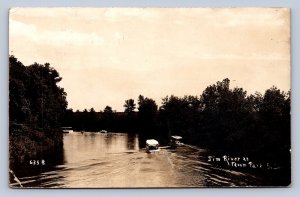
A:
[275,124]
[37,108]
[108,110]
[147,107]
[19,110]
[220,98]
[147,113]
[254,102]
[34,92]
[129,106]
[178,113]
[273,102]
[108,119]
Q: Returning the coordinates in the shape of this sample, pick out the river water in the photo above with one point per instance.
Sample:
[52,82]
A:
[114,160]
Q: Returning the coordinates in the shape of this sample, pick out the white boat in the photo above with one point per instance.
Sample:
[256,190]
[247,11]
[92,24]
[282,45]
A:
[175,141]
[67,129]
[152,146]
[103,131]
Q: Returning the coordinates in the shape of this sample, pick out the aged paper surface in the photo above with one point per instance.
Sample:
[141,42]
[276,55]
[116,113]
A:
[149,97]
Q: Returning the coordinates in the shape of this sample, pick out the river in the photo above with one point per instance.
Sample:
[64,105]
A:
[117,160]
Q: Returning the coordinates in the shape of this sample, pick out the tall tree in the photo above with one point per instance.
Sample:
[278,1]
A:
[37,106]
[34,91]
[176,112]
[147,107]
[147,113]
[129,106]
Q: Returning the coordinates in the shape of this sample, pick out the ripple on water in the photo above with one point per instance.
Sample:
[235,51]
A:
[113,161]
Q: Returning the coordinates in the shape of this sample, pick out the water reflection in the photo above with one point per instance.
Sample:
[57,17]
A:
[132,142]
[97,160]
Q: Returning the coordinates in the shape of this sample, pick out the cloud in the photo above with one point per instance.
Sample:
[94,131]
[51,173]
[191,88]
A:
[56,38]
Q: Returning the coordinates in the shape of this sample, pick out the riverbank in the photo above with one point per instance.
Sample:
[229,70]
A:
[27,144]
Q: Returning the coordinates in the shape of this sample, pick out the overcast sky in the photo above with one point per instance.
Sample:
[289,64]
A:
[106,56]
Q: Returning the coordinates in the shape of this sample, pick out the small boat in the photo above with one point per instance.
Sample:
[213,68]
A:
[175,141]
[152,146]
[67,129]
[103,131]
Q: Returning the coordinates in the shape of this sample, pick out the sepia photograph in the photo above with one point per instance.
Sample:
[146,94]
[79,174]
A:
[149,97]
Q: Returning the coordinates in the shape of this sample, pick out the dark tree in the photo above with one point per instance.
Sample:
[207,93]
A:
[177,115]
[108,110]
[129,106]
[37,108]
[147,113]
[147,107]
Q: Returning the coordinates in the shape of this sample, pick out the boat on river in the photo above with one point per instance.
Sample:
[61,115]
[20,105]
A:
[103,131]
[152,145]
[67,129]
[175,141]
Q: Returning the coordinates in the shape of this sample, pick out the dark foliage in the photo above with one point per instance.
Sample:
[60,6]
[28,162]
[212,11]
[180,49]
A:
[36,110]
[222,119]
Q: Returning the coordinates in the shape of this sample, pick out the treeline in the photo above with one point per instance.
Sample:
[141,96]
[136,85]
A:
[220,119]
[36,110]
[129,121]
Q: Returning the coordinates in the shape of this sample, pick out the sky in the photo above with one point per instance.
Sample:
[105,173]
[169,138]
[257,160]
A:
[108,55]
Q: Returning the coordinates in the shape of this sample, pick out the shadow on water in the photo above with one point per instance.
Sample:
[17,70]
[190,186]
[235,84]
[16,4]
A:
[132,141]
[38,165]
